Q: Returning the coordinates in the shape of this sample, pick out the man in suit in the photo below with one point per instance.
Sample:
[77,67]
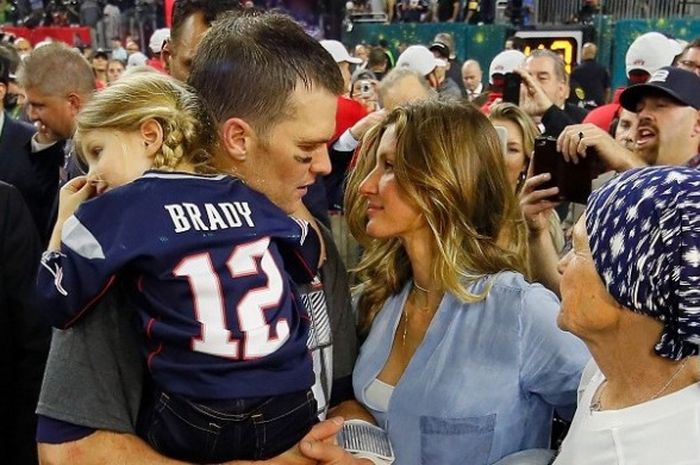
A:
[25,343]
[32,169]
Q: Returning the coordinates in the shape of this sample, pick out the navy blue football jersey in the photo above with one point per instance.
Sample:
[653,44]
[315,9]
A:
[206,256]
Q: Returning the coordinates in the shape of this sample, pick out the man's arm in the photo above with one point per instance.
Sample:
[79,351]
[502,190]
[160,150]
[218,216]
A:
[109,448]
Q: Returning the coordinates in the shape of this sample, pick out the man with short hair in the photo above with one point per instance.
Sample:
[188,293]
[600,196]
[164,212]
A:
[689,59]
[191,20]
[274,137]
[593,77]
[472,79]
[53,102]
[546,89]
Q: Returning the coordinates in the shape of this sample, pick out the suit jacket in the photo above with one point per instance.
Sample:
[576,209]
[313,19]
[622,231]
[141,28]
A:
[25,342]
[35,175]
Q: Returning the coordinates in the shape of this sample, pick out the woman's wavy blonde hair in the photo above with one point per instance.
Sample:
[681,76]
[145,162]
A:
[449,164]
[188,131]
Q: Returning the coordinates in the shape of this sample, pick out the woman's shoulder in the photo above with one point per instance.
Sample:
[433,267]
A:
[511,282]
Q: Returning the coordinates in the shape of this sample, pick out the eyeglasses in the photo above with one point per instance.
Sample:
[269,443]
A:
[689,66]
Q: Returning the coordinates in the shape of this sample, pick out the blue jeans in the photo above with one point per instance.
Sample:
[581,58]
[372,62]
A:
[218,431]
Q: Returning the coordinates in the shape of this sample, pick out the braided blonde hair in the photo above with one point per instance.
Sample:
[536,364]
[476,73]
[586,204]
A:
[189,134]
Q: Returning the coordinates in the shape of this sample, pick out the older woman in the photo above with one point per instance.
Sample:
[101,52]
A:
[631,291]
[463,362]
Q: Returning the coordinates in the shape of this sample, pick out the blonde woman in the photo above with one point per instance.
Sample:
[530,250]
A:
[519,147]
[463,361]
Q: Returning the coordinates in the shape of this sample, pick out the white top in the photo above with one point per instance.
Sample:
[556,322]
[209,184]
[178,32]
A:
[378,395]
[662,431]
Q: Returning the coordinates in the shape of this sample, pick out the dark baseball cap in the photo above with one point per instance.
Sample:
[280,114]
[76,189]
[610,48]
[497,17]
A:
[441,48]
[679,84]
[100,52]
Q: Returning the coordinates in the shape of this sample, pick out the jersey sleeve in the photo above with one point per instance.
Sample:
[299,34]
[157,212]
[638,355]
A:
[300,251]
[94,247]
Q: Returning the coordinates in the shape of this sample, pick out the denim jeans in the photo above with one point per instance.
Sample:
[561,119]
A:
[218,431]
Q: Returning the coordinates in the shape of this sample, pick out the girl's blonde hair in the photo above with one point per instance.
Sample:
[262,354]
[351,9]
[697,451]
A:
[188,131]
[513,113]
[449,164]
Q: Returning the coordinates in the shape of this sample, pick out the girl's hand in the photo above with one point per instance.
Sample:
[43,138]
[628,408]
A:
[71,195]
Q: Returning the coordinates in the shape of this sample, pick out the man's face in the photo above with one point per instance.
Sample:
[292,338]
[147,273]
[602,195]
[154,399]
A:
[55,112]
[690,61]
[471,76]
[180,51]
[285,161]
[626,130]
[667,132]
[542,69]
[99,63]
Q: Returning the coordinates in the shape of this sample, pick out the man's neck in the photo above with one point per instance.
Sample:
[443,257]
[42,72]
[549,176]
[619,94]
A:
[677,154]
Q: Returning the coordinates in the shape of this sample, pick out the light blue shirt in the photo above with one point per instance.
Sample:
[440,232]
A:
[484,382]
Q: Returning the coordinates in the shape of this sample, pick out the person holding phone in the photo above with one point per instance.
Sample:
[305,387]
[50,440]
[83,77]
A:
[546,87]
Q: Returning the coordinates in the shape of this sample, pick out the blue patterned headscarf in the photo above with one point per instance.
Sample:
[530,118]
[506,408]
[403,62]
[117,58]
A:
[644,232]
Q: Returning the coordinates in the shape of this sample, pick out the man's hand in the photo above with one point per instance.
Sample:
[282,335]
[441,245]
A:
[576,138]
[533,99]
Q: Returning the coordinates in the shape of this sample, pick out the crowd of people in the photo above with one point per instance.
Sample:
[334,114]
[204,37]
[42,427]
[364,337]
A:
[257,247]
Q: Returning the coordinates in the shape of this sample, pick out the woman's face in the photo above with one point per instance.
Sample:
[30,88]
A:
[389,213]
[586,306]
[515,157]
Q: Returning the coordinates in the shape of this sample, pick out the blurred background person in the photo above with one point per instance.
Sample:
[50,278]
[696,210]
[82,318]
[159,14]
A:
[472,79]
[115,69]
[593,77]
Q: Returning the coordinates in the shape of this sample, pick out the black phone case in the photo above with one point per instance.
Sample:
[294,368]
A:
[573,180]
[511,88]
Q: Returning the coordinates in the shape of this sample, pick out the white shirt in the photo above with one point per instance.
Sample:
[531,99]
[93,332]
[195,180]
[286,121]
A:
[661,431]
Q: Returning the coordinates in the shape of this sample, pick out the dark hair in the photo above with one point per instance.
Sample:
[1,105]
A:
[248,66]
[376,57]
[7,52]
[210,9]
[695,43]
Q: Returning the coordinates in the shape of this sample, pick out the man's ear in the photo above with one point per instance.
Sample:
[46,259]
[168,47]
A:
[75,102]
[696,126]
[237,138]
[166,55]
[152,134]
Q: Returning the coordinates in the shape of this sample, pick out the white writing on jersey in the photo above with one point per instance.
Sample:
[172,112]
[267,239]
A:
[210,216]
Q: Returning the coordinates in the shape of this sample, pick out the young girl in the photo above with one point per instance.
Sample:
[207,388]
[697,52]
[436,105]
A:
[209,261]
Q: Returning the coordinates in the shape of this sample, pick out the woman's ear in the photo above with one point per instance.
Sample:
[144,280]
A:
[236,138]
[152,134]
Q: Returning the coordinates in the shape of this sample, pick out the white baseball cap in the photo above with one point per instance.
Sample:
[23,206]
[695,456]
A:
[419,59]
[650,52]
[506,62]
[136,59]
[158,38]
[339,52]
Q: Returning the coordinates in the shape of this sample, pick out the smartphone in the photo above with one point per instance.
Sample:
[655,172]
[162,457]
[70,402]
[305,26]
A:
[511,88]
[573,180]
